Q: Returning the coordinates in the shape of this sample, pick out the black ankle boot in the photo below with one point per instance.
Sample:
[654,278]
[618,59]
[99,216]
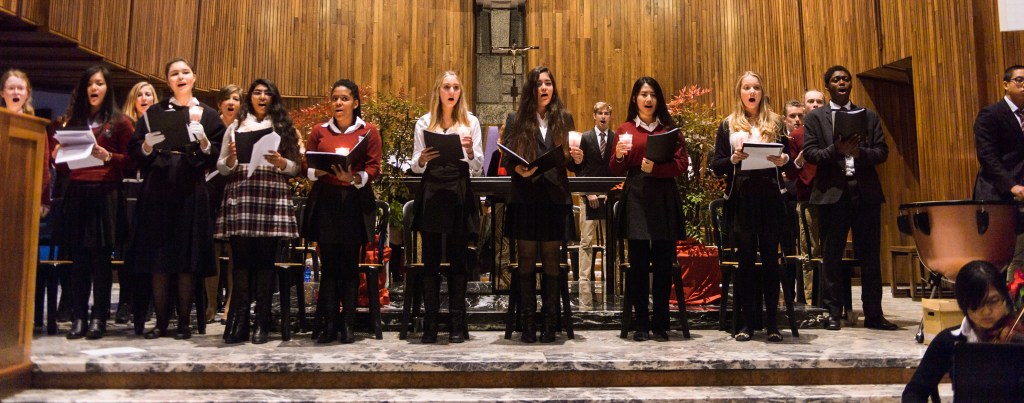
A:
[350,295]
[237,330]
[261,335]
[550,309]
[77,329]
[329,332]
[97,328]
[529,334]
[528,306]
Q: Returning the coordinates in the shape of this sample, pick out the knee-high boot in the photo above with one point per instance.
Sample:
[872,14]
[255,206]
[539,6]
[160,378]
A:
[457,307]
[350,296]
[264,290]
[528,304]
[432,304]
[550,308]
[326,310]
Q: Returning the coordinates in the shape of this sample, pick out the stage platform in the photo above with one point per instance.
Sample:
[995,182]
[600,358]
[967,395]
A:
[596,366]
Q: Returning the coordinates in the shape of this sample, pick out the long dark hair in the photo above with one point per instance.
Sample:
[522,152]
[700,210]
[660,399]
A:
[972,285]
[660,110]
[81,111]
[289,147]
[521,136]
[358,113]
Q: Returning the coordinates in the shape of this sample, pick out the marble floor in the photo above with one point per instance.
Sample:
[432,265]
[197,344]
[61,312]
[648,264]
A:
[854,347]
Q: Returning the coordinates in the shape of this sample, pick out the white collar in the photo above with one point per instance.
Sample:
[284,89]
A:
[1013,108]
[599,132]
[250,123]
[542,121]
[192,102]
[359,123]
[647,126]
[966,330]
[835,106]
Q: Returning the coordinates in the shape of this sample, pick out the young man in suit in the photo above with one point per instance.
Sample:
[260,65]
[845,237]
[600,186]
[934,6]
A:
[999,143]
[849,195]
[596,146]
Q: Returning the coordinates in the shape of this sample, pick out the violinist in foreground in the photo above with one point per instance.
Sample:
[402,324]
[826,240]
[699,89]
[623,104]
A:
[982,295]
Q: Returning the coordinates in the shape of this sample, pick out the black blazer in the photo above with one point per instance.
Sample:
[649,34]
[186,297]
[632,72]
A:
[551,186]
[999,143]
[830,182]
[594,163]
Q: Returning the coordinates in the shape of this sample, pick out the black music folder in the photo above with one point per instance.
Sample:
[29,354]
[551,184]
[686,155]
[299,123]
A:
[245,141]
[448,145]
[849,123]
[661,148]
[551,159]
[173,124]
[324,160]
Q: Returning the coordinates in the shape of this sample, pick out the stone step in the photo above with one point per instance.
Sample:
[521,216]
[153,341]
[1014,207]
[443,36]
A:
[875,393]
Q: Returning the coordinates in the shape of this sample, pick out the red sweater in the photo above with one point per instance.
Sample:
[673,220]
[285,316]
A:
[114,138]
[324,139]
[805,174]
[635,156]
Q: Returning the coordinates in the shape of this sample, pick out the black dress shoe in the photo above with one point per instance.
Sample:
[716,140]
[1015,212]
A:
[260,337]
[155,333]
[97,328]
[833,323]
[640,336]
[456,337]
[879,323]
[123,313]
[659,335]
[348,336]
[183,334]
[77,329]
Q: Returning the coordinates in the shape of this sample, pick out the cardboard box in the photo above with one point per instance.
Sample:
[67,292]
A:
[939,314]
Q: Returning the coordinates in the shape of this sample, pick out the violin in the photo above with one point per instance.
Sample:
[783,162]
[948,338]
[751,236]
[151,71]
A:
[1010,329]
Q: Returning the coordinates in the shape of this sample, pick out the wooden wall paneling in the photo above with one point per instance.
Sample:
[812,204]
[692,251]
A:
[65,18]
[34,11]
[161,30]
[893,17]
[9,7]
[989,44]
[222,35]
[98,26]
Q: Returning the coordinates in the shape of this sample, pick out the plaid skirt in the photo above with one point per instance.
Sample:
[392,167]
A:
[257,206]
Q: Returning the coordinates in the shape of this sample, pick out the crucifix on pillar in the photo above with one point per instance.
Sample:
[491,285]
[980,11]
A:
[514,51]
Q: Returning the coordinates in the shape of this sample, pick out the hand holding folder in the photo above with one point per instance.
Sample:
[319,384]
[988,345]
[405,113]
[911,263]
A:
[661,148]
[551,159]
[448,146]
[325,161]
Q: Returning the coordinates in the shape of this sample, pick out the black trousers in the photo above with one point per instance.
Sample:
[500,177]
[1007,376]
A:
[865,221]
[91,273]
[751,284]
[253,275]
[654,257]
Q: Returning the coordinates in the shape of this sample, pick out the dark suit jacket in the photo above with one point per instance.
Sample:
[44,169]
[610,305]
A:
[541,187]
[999,143]
[830,182]
[595,164]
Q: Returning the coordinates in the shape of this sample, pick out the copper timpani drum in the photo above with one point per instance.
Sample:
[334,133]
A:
[949,234]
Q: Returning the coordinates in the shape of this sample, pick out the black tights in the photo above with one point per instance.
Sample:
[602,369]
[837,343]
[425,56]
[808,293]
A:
[253,276]
[748,244]
[90,272]
[339,281]
[654,257]
[549,256]
[163,283]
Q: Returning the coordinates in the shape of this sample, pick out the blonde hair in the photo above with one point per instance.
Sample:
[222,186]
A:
[602,105]
[28,109]
[765,120]
[460,113]
[129,104]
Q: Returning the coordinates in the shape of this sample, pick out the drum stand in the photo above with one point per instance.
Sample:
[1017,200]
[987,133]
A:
[935,281]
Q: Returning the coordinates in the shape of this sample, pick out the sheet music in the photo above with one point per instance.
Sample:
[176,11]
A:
[76,148]
[758,155]
[263,146]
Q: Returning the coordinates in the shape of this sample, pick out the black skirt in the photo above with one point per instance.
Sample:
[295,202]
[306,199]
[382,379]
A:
[445,203]
[93,215]
[651,209]
[538,222]
[756,204]
[335,214]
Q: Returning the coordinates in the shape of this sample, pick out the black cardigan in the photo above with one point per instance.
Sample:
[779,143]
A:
[936,363]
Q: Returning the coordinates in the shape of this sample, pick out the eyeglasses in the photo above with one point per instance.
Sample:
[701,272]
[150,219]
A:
[1019,80]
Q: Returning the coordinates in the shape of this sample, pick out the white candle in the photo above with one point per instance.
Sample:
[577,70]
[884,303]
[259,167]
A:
[342,150]
[627,139]
[575,138]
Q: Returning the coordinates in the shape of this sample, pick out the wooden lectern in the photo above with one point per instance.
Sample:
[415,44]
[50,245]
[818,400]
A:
[22,147]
